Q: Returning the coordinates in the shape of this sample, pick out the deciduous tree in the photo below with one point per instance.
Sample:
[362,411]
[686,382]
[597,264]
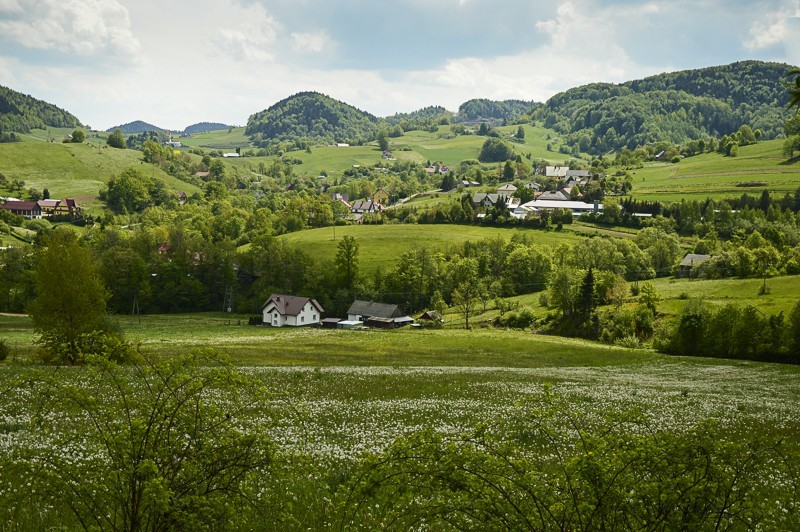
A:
[70,296]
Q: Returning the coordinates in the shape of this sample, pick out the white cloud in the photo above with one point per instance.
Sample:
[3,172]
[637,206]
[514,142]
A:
[252,37]
[83,27]
[310,42]
[10,6]
[780,27]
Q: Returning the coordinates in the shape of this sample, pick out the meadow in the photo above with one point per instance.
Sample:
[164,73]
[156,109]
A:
[339,397]
[414,146]
[381,245]
[76,170]
[717,176]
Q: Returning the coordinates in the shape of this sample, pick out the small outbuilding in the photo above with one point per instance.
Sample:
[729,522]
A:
[431,315]
[689,262]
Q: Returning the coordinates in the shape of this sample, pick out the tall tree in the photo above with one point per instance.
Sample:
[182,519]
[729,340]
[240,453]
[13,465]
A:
[70,296]
[347,261]
[467,292]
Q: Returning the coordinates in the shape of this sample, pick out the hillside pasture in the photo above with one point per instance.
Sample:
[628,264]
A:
[381,245]
[75,170]
[716,176]
[222,139]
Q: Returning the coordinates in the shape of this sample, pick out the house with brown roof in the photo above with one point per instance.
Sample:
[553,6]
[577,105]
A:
[28,209]
[292,311]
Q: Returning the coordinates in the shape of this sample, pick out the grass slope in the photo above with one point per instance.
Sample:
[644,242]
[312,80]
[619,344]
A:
[74,170]
[380,245]
[415,146]
[715,175]
[221,139]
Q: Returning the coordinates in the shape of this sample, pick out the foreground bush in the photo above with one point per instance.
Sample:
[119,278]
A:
[552,469]
[143,448]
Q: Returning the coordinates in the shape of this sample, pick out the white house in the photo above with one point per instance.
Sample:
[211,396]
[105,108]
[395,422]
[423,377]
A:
[556,171]
[292,311]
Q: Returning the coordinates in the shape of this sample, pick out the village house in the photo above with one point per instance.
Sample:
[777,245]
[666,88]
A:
[365,207]
[482,199]
[507,189]
[554,195]
[556,171]
[291,311]
[381,196]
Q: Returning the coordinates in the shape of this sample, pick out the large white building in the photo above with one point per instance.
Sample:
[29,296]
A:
[577,207]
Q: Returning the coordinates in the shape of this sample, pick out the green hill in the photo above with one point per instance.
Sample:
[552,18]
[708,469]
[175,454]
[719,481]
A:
[200,127]
[757,167]
[74,170]
[675,107]
[21,113]
[507,110]
[380,245]
[417,119]
[314,117]
[136,127]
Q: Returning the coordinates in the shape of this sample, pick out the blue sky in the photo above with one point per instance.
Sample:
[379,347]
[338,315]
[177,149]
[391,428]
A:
[180,62]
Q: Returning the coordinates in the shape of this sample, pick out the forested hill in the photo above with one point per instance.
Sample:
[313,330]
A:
[136,127]
[506,110]
[202,127]
[422,117]
[677,106]
[20,113]
[314,117]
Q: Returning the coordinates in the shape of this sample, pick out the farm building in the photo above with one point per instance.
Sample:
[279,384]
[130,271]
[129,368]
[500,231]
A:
[689,262]
[292,311]
[363,310]
[28,209]
[576,207]
[431,315]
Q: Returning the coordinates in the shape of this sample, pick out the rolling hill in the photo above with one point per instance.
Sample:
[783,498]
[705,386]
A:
[312,116]
[201,127]
[676,107]
[21,113]
[134,128]
[74,170]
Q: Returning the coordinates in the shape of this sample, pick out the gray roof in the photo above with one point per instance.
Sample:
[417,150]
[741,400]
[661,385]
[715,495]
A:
[693,258]
[557,195]
[479,197]
[578,173]
[372,309]
[290,305]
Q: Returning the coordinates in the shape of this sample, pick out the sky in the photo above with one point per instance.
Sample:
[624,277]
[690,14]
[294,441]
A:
[176,63]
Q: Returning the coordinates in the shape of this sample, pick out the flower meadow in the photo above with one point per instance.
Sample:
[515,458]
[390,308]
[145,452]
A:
[332,441]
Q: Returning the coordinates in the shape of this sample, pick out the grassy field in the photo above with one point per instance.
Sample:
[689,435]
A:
[380,245]
[74,170]
[715,175]
[415,146]
[222,139]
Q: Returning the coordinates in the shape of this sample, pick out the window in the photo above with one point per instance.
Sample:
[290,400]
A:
[302,319]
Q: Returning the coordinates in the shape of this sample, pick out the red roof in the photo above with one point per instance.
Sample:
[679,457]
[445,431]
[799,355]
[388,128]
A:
[15,205]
